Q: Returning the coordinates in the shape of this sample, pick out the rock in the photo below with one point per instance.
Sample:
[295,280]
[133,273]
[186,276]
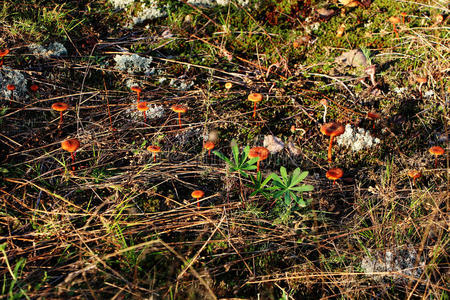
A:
[353,58]
[273,144]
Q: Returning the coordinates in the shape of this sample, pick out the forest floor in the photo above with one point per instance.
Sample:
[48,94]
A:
[89,212]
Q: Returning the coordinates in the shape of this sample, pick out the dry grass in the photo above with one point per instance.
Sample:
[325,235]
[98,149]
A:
[115,224]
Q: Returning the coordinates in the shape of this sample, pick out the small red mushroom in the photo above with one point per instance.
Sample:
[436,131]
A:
[138,91]
[260,152]
[197,194]
[209,146]
[142,106]
[332,129]
[255,98]
[179,109]
[436,151]
[71,145]
[334,174]
[61,107]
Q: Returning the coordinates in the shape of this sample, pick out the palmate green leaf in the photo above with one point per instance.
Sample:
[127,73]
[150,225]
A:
[298,177]
[284,175]
[223,157]
[303,188]
[276,178]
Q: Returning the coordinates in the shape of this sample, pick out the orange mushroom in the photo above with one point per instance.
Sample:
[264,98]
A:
[142,106]
[154,149]
[255,98]
[414,174]
[11,88]
[260,152]
[436,151]
[421,81]
[138,91]
[228,86]
[209,146]
[373,116]
[332,129]
[403,14]
[334,174]
[34,88]
[197,194]
[179,109]
[61,107]
[394,20]
[71,145]
[3,53]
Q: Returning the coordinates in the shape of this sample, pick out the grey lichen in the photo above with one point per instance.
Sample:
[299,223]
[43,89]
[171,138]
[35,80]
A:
[9,76]
[53,50]
[356,140]
[133,64]
[401,261]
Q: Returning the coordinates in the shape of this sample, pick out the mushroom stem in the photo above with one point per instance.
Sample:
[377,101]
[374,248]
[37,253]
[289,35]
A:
[325,114]
[329,149]
[145,117]
[435,162]
[257,166]
[395,30]
[73,160]
[179,119]
[154,157]
[209,152]
[254,109]
[60,119]
[138,96]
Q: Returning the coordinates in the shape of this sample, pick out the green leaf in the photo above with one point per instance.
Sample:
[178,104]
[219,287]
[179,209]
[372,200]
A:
[299,178]
[276,178]
[284,175]
[303,188]
[221,156]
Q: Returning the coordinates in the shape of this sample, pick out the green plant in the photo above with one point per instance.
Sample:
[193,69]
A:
[288,186]
[240,163]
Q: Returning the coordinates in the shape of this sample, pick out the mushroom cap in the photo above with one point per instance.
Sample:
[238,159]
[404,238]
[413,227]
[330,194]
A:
[142,106]
[197,194]
[261,152]
[414,174]
[334,173]
[60,106]
[34,87]
[10,87]
[209,145]
[136,89]
[332,129]
[324,102]
[436,150]
[228,85]
[179,108]
[255,97]
[394,20]
[403,14]
[421,79]
[154,149]
[373,115]
[4,52]
[70,145]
